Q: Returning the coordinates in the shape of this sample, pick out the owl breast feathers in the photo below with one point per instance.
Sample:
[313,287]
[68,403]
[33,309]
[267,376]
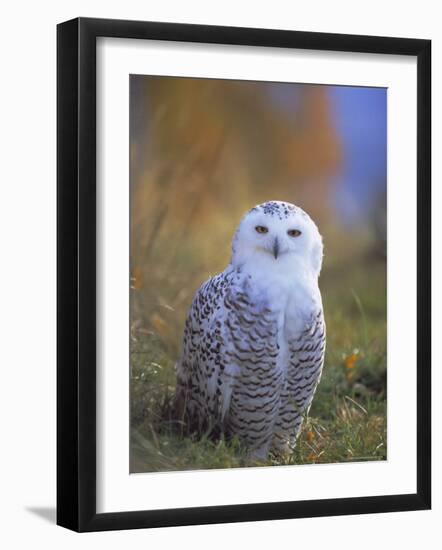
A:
[254,338]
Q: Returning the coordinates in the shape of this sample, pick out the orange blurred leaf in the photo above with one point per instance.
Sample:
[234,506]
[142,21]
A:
[350,360]
[159,324]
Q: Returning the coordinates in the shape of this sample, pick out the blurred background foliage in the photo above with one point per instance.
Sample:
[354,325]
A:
[202,153]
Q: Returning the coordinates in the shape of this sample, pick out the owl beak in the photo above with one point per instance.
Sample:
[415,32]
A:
[276,248]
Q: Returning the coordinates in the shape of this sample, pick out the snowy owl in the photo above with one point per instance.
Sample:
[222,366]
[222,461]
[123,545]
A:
[254,338]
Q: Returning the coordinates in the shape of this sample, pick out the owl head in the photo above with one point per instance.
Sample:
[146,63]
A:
[278,235]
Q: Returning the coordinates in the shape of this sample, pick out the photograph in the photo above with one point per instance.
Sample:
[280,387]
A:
[258,274]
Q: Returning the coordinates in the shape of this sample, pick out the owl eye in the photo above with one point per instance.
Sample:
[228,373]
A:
[261,229]
[293,232]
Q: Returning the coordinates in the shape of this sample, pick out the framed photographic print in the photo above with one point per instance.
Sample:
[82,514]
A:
[243,274]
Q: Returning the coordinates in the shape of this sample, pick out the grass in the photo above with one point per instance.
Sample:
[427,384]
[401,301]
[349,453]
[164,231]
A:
[348,419]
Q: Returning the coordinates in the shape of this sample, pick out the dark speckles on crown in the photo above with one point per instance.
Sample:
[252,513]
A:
[280,210]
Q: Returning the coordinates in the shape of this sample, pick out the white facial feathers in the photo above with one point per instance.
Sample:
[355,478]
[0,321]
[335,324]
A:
[278,235]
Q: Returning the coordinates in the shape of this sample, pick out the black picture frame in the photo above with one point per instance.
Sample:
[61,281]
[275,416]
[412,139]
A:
[76,273]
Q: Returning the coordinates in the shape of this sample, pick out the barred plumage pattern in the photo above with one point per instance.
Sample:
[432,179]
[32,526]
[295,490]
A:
[250,363]
[306,359]
[230,379]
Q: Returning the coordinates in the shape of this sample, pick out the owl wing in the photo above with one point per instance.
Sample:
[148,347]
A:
[205,376]
[306,359]
[227,375]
